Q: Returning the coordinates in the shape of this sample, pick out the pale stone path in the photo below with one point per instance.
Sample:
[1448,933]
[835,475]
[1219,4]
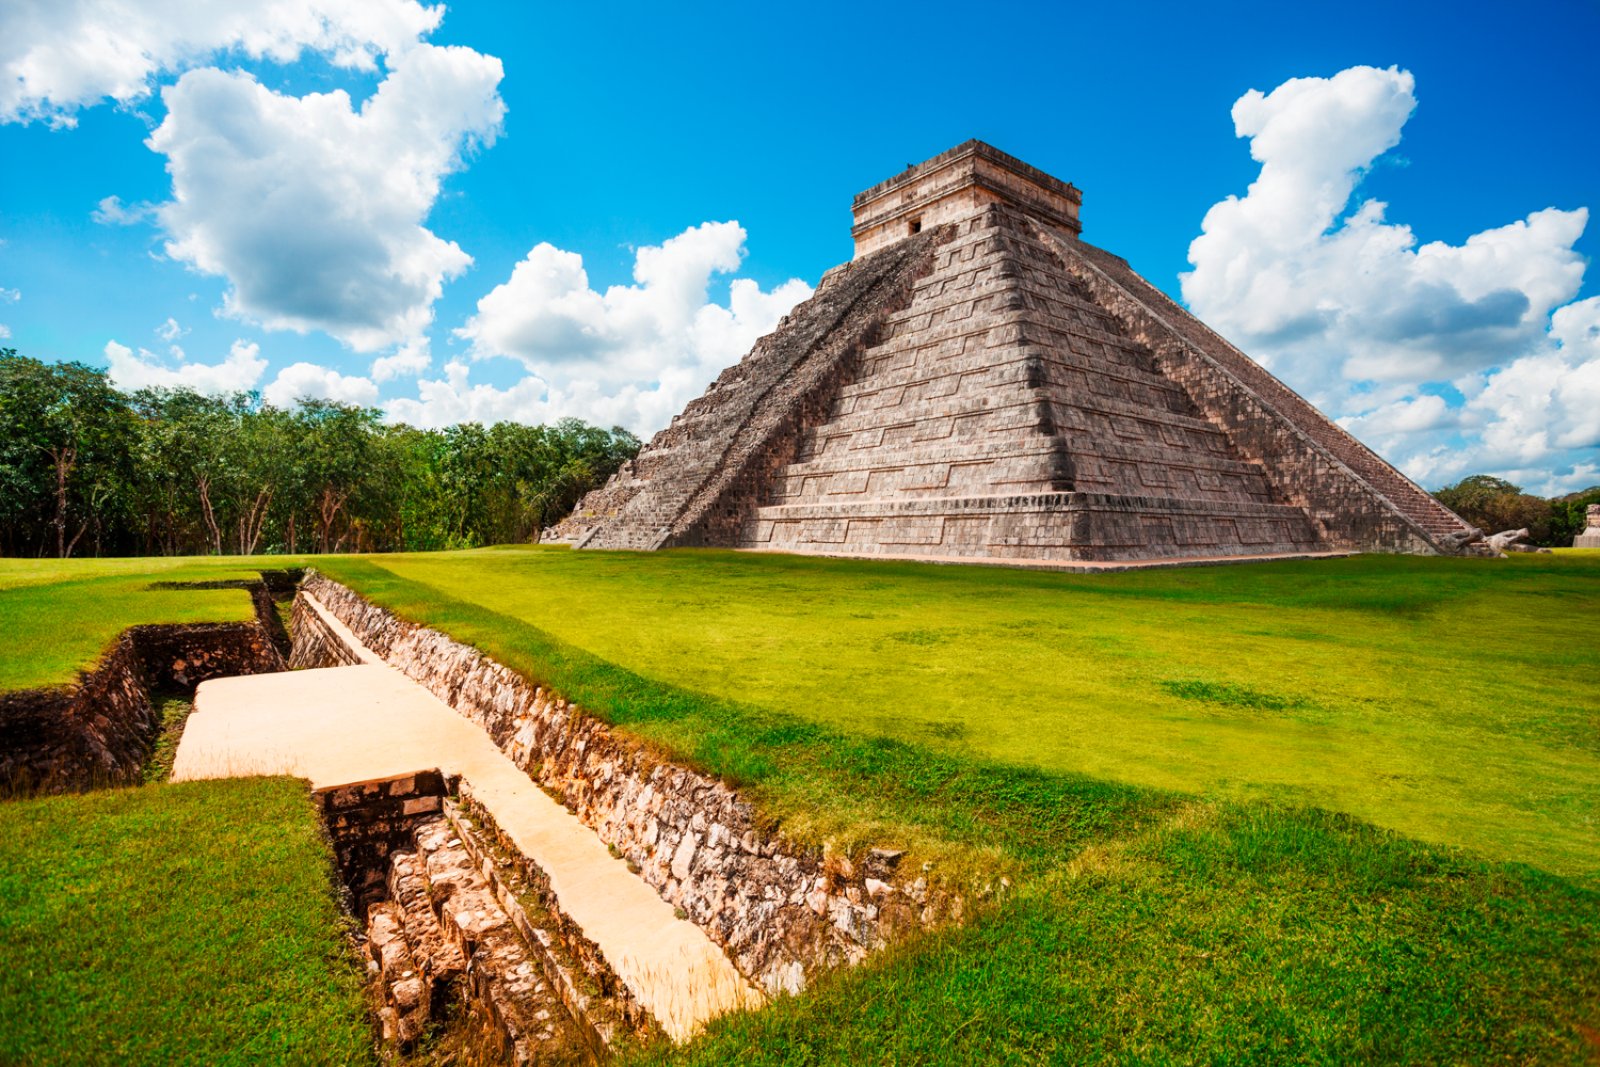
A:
[340,725]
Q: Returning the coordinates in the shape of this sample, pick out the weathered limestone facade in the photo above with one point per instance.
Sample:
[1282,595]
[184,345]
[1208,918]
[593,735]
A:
[978,383]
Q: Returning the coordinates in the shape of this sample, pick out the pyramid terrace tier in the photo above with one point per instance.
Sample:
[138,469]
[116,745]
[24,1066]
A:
[1037,464]
[1407,500]
[895,373]
[1061,527]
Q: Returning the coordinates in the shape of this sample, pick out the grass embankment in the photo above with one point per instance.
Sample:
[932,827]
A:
[1451,700]
[188,923]
[1145,926]
[191,923]
[58,616]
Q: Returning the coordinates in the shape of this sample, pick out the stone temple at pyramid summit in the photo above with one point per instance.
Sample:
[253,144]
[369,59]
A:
[980,385]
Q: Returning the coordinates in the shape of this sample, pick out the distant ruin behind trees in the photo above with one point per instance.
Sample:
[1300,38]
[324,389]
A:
[1494,504]
[86,469]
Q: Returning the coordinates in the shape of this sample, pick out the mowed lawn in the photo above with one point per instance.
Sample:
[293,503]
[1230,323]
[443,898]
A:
[58,616]
[193,923]
[1455,701]
[1086,758]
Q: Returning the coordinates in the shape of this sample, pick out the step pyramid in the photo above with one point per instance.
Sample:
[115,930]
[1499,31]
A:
[979,383]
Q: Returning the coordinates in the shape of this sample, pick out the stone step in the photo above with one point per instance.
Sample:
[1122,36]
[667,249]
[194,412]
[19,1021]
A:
[577,970]
[408,998]
[1068,411]
[408,892]
[502,975]
[1031,370]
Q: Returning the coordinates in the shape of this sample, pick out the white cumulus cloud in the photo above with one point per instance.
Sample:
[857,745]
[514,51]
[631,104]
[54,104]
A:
[313,209]
[308,381]
[409,360]
[1376,327]
[240,370]
[632,355]
[1545,403]
[452,399]
[111,211]
[58,56]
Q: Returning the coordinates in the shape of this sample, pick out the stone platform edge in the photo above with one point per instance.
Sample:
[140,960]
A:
[783,913]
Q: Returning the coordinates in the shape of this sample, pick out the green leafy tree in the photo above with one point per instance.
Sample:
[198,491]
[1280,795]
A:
[1494,504]
[69,442]
[173,471]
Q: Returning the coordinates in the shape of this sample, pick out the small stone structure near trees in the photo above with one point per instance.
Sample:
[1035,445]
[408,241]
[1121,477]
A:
[1590,537]
[979,383]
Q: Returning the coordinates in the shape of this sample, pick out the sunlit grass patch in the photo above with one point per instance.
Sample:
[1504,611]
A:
[188,923]
[58,616]
[1367,685]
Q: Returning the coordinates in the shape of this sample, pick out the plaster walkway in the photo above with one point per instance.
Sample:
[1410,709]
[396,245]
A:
[341,725]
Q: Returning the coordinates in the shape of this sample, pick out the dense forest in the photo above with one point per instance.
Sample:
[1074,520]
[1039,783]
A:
[88,470]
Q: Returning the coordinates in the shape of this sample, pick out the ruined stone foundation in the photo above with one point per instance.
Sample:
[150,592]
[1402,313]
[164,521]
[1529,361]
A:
[981,384]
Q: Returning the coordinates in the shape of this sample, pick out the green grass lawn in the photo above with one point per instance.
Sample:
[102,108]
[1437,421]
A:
[175,924]
[58,616]
[1205,787]
[1225,935]
[1456,701]
[945,708]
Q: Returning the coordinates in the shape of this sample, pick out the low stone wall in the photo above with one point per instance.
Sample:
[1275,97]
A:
[179,658]
[369,820]
[98,730]
[314,642]
[782,913]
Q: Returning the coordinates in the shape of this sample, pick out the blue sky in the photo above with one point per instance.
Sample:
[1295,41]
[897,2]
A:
[524,155]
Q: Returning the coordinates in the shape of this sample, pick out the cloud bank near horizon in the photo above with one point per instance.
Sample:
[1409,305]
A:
[1448,359]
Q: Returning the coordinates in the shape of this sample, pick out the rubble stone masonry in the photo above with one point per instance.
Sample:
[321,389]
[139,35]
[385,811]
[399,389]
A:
[783,913]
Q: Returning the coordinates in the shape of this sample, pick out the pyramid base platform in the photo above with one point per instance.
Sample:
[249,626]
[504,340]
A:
[1042,528]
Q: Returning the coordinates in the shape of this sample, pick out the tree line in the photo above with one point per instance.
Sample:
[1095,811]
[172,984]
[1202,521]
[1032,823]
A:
[1494,504]
[86,469]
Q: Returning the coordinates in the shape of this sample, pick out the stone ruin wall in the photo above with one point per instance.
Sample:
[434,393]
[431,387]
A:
[98,731]
[94,732]
[783,913]
[315,643]
[367,821]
